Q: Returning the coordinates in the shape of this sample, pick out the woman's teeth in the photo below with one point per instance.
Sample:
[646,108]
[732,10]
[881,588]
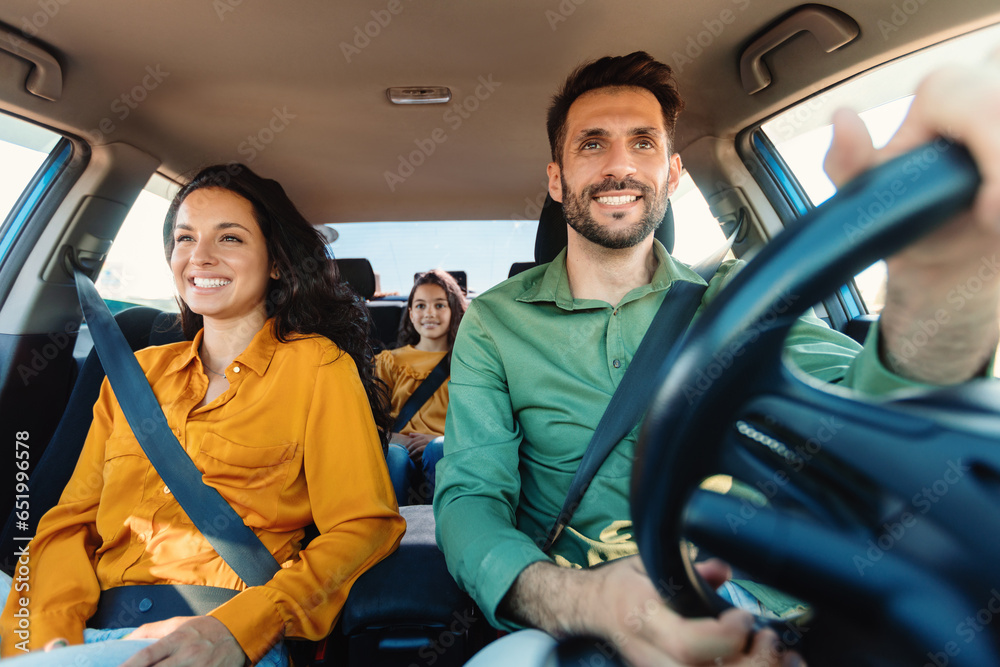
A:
[211,282]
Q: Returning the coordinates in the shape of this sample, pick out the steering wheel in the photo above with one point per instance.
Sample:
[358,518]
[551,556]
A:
[879,513]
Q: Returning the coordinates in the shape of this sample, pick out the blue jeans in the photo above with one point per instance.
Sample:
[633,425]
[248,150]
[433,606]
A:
[414,486]
[106,648]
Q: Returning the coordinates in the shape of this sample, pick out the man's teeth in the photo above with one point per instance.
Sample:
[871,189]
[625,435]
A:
[211,282]
[617,200]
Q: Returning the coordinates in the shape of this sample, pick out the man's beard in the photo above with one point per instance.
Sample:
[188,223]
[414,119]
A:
[576,209]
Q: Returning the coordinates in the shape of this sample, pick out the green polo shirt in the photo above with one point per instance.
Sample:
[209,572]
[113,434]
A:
[532,371]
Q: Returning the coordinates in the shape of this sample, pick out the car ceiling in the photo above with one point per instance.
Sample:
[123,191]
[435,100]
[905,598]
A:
[234,67]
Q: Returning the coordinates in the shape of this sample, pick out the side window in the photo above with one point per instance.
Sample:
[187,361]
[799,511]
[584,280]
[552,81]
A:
[804,153]
[136,271]
[802,134]
[696,231]
[24,148]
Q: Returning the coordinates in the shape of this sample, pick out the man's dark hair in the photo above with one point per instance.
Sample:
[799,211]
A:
[636,70]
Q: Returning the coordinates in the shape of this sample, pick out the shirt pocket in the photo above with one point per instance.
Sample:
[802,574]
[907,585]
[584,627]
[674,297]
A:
[250,477]
[124,476]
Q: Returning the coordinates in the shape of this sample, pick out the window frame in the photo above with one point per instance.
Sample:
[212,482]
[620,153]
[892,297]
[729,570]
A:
[790,202]
[40,199]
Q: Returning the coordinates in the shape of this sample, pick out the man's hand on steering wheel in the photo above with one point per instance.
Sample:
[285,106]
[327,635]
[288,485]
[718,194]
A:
[950,278]
[647,633]
[619,604]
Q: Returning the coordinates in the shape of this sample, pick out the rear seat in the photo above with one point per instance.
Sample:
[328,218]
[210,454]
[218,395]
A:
[385,313]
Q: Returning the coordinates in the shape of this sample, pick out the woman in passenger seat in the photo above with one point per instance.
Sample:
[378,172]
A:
[434,311]
[274,398]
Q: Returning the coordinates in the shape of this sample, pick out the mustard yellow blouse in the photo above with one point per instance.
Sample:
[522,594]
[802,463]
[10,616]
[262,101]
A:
[291,442]
[403,369]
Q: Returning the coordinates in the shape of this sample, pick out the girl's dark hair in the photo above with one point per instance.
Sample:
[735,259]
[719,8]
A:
[308,298]
[636,70]
[456,301]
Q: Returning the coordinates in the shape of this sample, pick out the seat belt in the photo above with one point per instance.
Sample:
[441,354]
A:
[631,398]
[224,529]
[423,393]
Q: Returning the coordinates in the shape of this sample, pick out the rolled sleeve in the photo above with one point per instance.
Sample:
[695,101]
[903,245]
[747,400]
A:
[868,375]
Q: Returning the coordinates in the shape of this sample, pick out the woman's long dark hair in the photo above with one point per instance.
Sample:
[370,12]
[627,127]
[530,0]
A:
[308,297]
[456,301]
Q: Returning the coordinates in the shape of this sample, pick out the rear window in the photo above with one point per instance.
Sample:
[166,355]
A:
[485,249]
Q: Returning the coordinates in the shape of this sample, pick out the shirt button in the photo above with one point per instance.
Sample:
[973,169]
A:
[166,490]
[236,369]
[140,537]
[616,363]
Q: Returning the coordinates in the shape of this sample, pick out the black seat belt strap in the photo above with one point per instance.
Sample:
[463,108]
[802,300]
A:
[634,392]
[423,393]
[235,542]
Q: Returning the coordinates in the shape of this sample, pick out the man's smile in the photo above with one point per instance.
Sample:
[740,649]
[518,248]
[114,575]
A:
[616,200]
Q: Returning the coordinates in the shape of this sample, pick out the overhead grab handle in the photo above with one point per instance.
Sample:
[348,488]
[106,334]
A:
[831,28]
[46,78]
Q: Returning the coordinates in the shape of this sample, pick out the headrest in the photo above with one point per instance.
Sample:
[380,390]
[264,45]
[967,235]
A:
[551,236]
[358,273]
[519,267]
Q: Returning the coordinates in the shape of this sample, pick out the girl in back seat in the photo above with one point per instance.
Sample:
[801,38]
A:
[416,373]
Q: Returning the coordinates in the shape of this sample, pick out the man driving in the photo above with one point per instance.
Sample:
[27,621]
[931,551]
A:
[538,358]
